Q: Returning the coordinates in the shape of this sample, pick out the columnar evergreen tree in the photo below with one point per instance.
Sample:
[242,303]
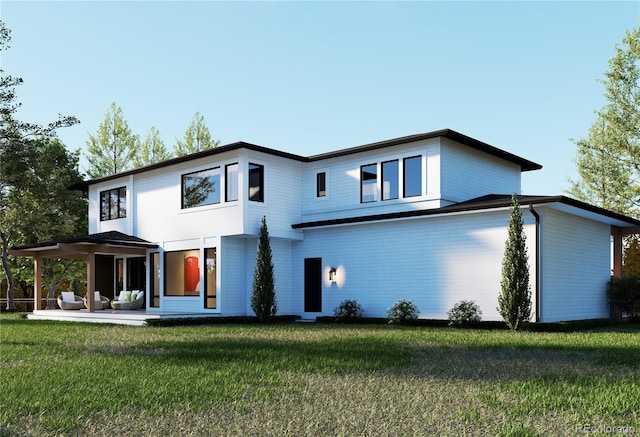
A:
[151,150]
[263,299]
[113,147]
[196,138]
[514,301]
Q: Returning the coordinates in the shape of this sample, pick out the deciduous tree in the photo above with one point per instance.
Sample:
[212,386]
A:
[152,150]
[113,147]
[196,138]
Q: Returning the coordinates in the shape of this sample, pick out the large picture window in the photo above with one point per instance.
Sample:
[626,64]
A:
[369,183]
[390,180]
[413,176]
[231,182]
[256,182]
[113,204]
[211,298]
[201,188]
[182,277]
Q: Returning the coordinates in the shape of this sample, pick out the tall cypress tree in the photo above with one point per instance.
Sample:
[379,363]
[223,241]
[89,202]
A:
[514,302]
[263,299]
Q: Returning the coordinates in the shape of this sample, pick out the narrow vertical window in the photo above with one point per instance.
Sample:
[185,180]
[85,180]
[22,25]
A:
[122,202]
[412,176]
[231,182]
[369,182]
[390,180]
[154,286]
[104,206]
[321,184]
[256,182]
[210,299]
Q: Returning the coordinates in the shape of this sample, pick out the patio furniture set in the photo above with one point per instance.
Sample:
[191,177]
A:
[127,300]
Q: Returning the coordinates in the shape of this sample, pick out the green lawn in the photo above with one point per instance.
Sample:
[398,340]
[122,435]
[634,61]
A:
[304,379]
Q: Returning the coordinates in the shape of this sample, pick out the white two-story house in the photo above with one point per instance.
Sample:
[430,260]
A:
[422,217]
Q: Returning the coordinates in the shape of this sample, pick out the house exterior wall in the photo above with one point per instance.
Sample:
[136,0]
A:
[435,261]
[467,173]
[576,267]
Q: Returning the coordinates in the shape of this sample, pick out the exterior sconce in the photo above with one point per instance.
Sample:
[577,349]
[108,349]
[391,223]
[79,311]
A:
[332,274]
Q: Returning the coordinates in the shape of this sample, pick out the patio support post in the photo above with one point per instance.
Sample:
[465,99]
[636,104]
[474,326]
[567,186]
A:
[91,279]
[37,283]
[617,252]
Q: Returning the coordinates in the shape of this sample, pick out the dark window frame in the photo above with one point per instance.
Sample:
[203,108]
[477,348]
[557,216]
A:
[107,210]
[204,203]
[154,275]
[321,184]
[362,183]
[210,294]
[405,176]
[396,181]
[228,186]
[256,171]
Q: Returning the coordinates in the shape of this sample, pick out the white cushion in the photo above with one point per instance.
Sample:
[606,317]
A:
[140,295]
[68,296]
[96,296]
[123,295]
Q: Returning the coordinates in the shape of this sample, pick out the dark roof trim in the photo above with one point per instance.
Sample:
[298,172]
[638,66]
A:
[113,238]
[492,201]
[524,164]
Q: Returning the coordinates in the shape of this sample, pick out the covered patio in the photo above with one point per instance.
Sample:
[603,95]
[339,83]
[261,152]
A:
[84,247]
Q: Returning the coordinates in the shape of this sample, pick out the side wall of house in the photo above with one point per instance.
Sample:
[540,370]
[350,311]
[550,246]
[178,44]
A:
[434,261]
[468,173]
[576,267]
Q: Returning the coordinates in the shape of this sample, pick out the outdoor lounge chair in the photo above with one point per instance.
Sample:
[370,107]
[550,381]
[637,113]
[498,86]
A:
[99,302]
[122,304]
[69,301]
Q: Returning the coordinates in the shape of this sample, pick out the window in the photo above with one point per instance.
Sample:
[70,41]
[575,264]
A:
[256,182]
[154,286]
[321,184]
[390,180]
[182,277]
[369,182]
[113,204]
[201,188]
[210,299]
[413,176]
[231,181]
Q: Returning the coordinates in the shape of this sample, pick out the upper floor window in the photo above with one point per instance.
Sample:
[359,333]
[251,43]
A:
[256,182]
[321,184]
[201,188]
[390,180]
[412,176]
[113,204]
[369,183]
[231,182]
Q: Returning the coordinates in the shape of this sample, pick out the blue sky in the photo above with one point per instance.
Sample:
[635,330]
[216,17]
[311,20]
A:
[312,77]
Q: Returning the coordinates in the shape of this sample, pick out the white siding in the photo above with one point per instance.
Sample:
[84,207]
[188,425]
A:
[468,173]
[233,288]
[576,267]
[435,261]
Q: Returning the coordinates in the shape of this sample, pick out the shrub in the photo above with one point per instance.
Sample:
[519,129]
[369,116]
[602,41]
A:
[403,312]
[348,311]
[625,293]
[464,313]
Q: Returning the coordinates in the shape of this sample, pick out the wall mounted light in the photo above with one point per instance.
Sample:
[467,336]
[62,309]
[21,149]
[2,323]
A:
[332,274]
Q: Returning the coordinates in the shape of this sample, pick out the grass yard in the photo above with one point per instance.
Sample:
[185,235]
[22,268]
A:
[314,380]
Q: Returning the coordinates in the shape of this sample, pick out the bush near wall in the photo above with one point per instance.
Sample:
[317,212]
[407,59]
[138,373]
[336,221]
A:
[625,294]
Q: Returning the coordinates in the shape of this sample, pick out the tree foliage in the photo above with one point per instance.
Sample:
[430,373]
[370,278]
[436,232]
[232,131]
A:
[113,147]
[197,138]
[608,159]
[263,298]
[514,301]
[35,169]
[151,150]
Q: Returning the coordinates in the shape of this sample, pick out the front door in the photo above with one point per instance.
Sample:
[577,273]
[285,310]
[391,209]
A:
[313,285]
